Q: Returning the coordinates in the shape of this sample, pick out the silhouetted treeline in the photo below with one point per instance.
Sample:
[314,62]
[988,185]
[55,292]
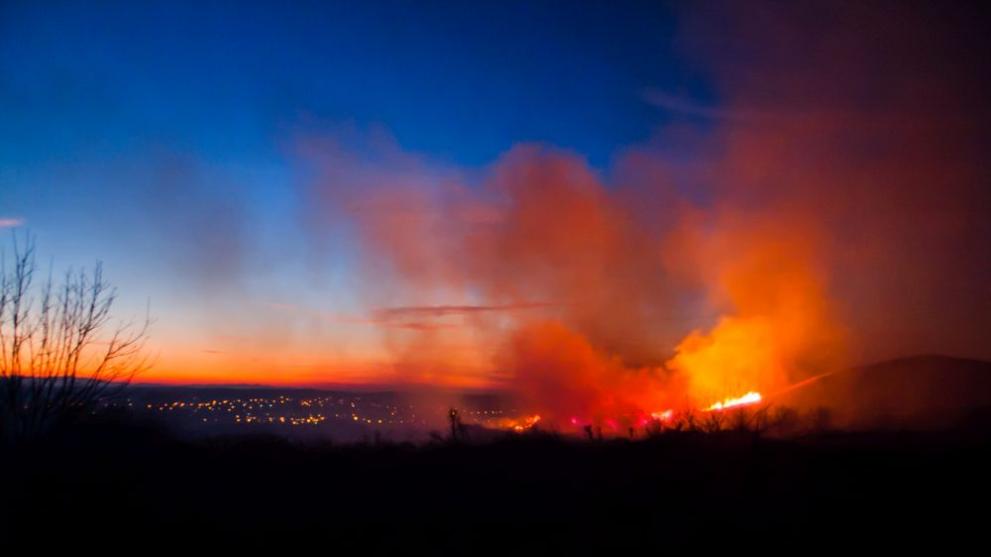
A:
[536,492]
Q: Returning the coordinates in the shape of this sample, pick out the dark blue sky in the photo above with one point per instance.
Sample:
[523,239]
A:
[460,81]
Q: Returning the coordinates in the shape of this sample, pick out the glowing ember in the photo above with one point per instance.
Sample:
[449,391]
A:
[664,416]
[522,424]
[749,398]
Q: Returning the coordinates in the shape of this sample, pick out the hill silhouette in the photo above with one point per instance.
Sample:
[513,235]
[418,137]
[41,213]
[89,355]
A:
[919,392]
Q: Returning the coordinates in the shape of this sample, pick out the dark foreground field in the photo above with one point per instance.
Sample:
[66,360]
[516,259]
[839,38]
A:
[111,484]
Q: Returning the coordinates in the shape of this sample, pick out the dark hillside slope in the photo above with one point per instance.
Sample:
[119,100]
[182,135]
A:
[921,392]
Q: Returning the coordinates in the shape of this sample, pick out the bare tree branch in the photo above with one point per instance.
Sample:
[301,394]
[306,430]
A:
[60,353]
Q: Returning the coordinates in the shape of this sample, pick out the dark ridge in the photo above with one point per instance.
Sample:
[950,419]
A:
[919,392]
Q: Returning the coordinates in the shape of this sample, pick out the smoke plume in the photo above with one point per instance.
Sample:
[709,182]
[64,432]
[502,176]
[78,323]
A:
[835,210]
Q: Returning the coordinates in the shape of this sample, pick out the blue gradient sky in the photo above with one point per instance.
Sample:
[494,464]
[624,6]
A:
[161,138]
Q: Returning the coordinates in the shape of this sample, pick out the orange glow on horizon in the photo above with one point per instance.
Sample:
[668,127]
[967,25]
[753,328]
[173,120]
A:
[187,363]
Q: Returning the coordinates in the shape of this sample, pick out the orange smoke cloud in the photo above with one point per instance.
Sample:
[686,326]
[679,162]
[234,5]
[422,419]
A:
[867,123]
[837,189]
[778,326]
[561,375]
[565,290]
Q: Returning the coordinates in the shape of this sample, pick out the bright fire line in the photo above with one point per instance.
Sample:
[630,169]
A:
[749,398]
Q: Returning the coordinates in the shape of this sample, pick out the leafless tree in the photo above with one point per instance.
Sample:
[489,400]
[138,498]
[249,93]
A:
[739,419]
[760,421]
[60,351]
[713,422]
[784,421]
[688,421]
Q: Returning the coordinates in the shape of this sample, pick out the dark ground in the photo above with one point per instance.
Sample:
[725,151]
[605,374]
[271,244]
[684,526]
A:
[135,484]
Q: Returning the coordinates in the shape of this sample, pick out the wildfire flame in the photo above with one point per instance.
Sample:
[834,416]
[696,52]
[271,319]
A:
[751,397]
[664,416]
[523,424]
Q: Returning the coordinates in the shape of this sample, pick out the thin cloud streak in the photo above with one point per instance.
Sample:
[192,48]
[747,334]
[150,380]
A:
[688,107]
[11,222]
[445,310]
[413,318]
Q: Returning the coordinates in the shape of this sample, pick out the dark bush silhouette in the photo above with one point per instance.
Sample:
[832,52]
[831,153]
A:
[60,353]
